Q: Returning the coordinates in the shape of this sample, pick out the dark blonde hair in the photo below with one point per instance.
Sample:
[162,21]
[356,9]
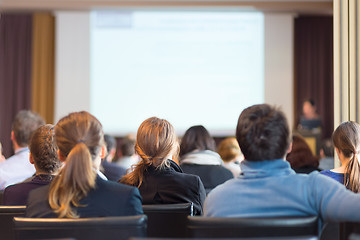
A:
[155,140]
[346,138]
[44,150]
[79,137]
[229,149]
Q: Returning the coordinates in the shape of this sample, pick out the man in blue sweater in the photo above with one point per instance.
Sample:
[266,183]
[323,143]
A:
[267,186]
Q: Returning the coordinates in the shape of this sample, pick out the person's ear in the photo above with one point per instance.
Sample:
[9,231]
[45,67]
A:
[60,156]
[103,152]
[12,137]
[31,159]
[290,147]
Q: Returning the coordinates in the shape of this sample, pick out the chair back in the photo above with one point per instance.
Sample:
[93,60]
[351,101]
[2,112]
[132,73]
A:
[6,220]
[167,220]
[348,228]
[208,227]
[121,228]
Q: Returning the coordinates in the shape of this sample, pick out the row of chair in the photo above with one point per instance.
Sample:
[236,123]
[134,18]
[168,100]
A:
[160,221]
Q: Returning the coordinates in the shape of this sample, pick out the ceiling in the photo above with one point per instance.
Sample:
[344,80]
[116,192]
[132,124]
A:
[294,6]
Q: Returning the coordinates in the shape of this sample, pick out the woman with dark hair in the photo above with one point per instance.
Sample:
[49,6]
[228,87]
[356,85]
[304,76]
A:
[198,157]
[159,179]
[346,139]
[301,158]
[78,191]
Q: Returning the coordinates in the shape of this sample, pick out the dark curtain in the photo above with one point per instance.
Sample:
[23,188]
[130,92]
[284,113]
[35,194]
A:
[15,71]
[314,67]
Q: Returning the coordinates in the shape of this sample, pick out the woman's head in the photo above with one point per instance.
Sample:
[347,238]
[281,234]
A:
[229,150]
[80,138]
[44,150]
[156,141]
[196,138]
[346,139]
[301,154]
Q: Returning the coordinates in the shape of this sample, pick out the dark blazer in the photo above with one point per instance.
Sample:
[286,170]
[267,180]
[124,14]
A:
[107,199]
[171,185]
[17,194]
[210,175]
[112,171]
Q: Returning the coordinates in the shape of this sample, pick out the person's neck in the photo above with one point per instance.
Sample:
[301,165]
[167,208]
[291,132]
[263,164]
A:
[342,168]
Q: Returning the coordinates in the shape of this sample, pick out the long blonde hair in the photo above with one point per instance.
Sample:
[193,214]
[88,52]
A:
[79,137]
[346,138]
[155,140]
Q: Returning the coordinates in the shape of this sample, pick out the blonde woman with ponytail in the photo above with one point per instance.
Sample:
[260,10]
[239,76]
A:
[346,139]
[159,179]
[78,190]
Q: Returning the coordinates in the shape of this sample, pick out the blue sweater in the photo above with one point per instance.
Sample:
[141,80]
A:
[271,188]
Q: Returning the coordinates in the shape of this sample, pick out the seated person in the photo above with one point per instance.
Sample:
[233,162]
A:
[326,155]
[198,157]
[346,138]
[159,179]
[129,157]
[112,171]
[301,158]
[231,154]
[267,186]
[44,157]
[77,191]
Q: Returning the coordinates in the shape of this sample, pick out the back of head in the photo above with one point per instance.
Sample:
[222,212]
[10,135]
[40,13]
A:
[262,133]
[127,146]
[155,141]
[346,138]
[79,137]
[196,138]
[328,148]
[44,150]
[301,155]
[229,149]
[24,124]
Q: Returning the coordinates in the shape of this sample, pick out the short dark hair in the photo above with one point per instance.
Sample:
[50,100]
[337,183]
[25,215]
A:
[24,124]
[110,143]
[263,133]
[44,150]
[196,138]
[127,146]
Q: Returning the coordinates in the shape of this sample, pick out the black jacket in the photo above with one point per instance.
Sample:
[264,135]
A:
[171,185]
[107,199]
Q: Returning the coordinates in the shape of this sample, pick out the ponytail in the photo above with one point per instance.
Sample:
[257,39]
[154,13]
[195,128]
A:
[73,183]
[352,174]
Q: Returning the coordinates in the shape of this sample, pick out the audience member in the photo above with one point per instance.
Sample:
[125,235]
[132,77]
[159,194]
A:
[112,171]
[301,158]
[198,157]
[326,155]
[18,168]
[129,157]
[77,191]
[346,140]
[159,179]
[231,154]
[43,154]
[267,186]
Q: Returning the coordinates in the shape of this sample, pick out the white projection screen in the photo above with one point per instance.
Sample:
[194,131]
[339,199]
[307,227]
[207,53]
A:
[189,67]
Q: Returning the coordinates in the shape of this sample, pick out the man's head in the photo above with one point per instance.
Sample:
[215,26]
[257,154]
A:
[110,147]
[263,133]
[24,124]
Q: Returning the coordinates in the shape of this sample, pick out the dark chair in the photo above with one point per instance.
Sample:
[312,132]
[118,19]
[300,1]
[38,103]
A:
[6,220]
[167,220]
[348,228]
[121,228]
[1,197]
[208,227]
